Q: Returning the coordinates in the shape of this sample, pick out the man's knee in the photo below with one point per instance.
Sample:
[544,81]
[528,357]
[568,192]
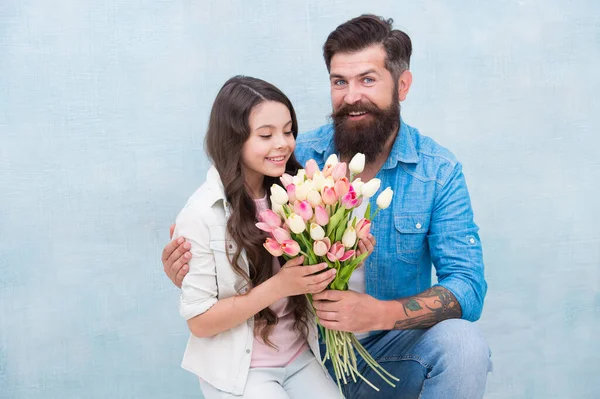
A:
[460,344]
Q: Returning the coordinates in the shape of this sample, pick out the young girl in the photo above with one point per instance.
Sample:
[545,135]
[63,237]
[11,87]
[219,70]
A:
[253,335]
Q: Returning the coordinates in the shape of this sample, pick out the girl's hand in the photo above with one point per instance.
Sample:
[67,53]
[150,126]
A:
[295,279]
[367,245]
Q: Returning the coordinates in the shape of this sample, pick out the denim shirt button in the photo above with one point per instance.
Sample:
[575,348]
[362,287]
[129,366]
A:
[418,225]
[472,241]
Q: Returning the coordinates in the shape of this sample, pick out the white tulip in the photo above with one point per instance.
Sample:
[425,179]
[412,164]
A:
[314,198]
[299,178]
[357,164]
[332,160]
[318,180]
[303,189]
[385,198]
[316,232]
[296,223]
[349,237]
[357,184]
[370,188]
[279,195]
[277,208]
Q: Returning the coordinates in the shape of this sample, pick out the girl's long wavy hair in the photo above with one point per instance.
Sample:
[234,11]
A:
[228,130]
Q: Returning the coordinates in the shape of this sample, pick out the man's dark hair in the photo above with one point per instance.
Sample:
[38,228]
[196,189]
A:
[368,30]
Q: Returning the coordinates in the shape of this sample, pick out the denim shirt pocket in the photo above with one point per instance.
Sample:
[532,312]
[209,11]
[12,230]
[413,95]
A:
[411,234]
[229,283]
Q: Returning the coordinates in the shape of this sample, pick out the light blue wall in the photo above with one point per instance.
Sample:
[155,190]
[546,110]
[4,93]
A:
[103,105]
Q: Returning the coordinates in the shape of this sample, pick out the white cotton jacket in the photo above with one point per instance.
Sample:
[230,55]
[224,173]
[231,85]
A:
[222,360]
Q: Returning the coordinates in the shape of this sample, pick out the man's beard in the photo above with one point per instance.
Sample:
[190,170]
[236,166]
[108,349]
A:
[367,136]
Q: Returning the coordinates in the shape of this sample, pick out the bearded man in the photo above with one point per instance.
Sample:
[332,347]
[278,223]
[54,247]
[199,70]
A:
[420,333]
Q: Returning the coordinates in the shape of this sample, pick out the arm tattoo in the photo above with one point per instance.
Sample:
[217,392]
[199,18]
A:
[428,308]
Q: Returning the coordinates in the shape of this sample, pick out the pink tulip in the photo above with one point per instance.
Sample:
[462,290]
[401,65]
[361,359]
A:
[363,228]
[342,186]
[329,195]
[321,216]
[311,168]
[321,247]
[350,200]
[290,247]
[273,247]
[281,235]
[303,209]
[347,255]
[338,252]
[286,179]
[269,220]
[339,171]
[291,191]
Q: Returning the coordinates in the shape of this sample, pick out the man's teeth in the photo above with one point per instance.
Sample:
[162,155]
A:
[277,159]
[356,113]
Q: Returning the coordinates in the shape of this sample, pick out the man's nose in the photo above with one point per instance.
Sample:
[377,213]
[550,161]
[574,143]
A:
[352,96]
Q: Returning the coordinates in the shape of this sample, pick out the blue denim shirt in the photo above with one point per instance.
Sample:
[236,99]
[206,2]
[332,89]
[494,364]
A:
[429,222]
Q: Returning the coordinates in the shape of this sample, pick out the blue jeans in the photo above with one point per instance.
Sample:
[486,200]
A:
[449,360]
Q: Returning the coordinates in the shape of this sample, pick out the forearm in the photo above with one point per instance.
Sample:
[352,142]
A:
[230,312]
[420,311]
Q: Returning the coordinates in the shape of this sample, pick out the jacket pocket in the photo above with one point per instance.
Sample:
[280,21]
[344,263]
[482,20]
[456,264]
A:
[411,235]
[229,282]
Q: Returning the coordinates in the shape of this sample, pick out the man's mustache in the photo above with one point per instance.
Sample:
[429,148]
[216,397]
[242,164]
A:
[357,107]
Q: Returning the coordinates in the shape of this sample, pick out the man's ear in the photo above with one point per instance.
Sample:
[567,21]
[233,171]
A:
[404,82]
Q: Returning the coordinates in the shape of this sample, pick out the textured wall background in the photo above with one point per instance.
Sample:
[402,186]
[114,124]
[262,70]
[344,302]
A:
[103,105]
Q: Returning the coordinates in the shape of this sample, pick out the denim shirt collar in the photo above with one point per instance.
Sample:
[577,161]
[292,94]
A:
[403,150]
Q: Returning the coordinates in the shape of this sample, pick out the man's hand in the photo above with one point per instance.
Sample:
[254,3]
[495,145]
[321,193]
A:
[347,311]
[175,257]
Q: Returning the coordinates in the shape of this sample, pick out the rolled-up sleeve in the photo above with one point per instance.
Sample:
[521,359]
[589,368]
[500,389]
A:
[199,287]
[455,246]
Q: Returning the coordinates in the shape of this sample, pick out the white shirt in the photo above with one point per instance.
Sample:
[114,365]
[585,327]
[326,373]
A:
[222,360]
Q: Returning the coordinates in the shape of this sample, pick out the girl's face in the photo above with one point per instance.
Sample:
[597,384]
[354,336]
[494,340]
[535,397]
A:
[269,146]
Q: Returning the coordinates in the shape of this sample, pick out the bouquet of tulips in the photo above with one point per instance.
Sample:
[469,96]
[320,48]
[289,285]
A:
[313,216]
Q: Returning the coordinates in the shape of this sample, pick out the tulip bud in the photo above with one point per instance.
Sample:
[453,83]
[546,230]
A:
[342,186]
[339,171]
[281,235]
[349,237]
[290,247]
[299,178]
[291,192]
[318,180]
[279,195]
[321,216]
[332,160]
[286,179]
[316,232]
[363,228]
[311,168]
[273,247]
[320,248]
[296,223]
[329,196]
[370,188]
[277,208]
[357,164]
[303,209]
[385,198]
[314,198]
[357,185]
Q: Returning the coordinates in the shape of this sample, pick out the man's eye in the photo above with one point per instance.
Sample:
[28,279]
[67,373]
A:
[339,82]
[369,80]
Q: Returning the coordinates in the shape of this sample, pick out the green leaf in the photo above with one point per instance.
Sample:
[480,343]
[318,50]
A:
[335,220]
[368,212]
